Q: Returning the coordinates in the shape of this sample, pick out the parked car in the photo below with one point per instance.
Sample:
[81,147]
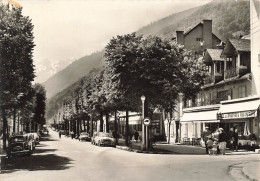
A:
[93,138]
[84,136]
[104,139]
[20,144]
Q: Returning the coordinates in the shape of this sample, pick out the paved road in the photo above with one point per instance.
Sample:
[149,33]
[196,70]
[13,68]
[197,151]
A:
[65,159]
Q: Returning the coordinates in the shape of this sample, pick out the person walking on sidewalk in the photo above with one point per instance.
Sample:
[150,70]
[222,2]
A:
[235,139]
[136,136]
[223,137]
[206,136]
[60,134]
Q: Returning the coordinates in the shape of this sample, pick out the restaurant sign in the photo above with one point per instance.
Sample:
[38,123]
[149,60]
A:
[243,114]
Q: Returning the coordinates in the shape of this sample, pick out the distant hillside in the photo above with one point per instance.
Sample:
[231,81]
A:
[230,19]
[72,73]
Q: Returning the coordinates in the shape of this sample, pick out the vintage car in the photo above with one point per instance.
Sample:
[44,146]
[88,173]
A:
[20,144]
[104,139]
[84,136]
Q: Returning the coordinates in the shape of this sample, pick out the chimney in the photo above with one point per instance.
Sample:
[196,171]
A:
[207,33]
[180,37]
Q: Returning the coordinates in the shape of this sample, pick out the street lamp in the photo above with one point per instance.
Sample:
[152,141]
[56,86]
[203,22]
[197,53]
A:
[143,127]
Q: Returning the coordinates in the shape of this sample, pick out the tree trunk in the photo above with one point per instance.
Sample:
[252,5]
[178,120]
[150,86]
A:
[115,127]
[78,124]
[88,125]
[14,120]
[126,128]
[107,122]
[84,124]
[115,122]
[101,122]
[169,123]
[91,126]
[4,128]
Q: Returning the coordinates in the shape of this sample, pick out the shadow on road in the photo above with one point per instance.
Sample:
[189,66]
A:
[34,163]
[47,138]
[39,150]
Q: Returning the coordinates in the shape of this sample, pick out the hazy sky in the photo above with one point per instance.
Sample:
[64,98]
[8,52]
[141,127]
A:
[70,29]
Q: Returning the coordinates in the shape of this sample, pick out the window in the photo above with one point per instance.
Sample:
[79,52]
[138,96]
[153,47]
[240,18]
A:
[222,95]
[243,60]
[198,39]
[242,91]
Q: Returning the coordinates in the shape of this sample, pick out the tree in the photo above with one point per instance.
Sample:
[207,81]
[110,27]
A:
[39,105]
[155,67]
[16,63]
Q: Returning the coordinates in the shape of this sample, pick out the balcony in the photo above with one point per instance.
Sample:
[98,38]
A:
[209,79]
[242,70]
[233,72]
[214,78]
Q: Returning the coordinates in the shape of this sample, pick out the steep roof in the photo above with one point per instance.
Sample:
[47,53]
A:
[242,45]
[215,54]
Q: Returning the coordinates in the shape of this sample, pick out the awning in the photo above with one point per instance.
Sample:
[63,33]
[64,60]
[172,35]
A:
[242,109]
[205,116]
[239,106]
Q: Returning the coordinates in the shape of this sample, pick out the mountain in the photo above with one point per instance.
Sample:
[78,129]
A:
[72,73]
[230,18]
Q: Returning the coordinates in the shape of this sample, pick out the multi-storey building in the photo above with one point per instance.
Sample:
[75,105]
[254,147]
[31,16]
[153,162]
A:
[195,40]
[230,95]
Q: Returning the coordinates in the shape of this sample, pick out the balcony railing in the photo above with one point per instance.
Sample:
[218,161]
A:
[209,79]
[206,102]
[218,76]
[233,72]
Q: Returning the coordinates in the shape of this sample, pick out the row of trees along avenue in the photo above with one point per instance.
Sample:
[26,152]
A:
[157,68]
[18,97]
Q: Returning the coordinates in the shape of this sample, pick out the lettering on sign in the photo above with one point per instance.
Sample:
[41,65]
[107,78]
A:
[244,114]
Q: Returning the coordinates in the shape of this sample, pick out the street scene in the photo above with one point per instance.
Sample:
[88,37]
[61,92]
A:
[129,90]
[69,159]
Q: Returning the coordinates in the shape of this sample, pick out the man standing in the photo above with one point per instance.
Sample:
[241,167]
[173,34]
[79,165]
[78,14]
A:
[60,134]
[206,136]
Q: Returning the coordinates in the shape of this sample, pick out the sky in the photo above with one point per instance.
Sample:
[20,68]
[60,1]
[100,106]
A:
[66,30]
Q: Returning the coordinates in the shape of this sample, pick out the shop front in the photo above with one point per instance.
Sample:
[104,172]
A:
[243,115]
[194,121]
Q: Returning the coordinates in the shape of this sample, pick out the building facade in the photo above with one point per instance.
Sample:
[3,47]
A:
[230,96]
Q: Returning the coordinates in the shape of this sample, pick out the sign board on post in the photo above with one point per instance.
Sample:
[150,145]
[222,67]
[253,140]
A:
[147,121]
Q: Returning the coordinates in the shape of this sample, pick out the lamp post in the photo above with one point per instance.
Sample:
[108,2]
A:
[143,127]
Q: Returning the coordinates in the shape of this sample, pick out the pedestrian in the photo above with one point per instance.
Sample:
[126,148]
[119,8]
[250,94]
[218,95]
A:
[72,134]
[231,140]
[210,146]
[206,136]
[216,138]
[223,137]
[131,135]
[60,134]
[235,139]
[136,135]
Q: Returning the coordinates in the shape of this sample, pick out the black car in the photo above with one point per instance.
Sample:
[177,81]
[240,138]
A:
[20,144]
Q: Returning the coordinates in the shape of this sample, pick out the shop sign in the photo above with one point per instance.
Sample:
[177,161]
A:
[244,114]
